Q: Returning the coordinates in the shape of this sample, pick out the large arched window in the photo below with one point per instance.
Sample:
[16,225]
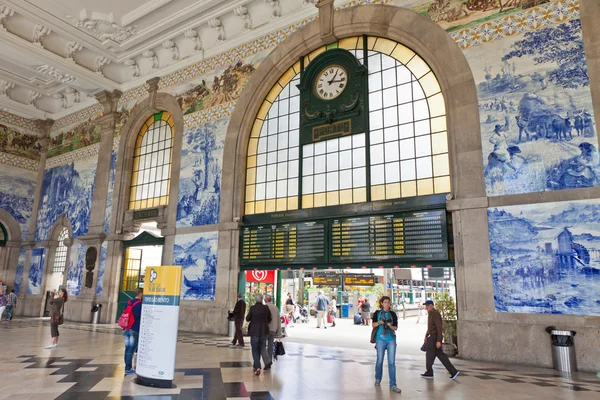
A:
[403,154]
[150,181]
[60,257]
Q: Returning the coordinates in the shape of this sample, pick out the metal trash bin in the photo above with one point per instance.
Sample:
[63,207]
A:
[563,349]
[96,310]
[231,328]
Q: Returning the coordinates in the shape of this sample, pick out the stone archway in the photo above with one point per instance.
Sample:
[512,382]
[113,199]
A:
[9,254]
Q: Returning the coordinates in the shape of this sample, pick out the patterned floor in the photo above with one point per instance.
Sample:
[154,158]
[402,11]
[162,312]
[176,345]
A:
[88,365]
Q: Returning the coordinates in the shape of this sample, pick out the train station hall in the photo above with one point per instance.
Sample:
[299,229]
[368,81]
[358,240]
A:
[299,199]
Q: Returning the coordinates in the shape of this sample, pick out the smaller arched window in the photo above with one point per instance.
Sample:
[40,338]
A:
[3,236]
[60,258]
[151,178]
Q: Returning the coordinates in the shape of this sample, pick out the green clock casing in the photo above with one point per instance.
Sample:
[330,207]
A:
[333,97]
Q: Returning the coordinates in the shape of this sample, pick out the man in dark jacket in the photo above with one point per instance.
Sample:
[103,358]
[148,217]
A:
[259,317]
[433,340]
[239,312]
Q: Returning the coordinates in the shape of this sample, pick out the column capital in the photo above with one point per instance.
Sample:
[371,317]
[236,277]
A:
[152,90]
[92,239]
[109,100]
[326,11]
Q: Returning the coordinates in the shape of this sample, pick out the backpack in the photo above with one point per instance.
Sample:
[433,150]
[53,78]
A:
[126,320]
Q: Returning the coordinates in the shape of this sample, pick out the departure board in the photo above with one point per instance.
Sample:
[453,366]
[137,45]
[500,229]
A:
[293,243]
[409,236]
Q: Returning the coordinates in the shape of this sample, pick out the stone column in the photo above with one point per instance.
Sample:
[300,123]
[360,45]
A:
[44,142]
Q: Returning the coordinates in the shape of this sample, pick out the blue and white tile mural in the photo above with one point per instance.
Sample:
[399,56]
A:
[20,269]
[546,257]
[200,179]
[537,122]
[101,266]
[17,188]
[36,271]
[76,268]
[197,254]
[111,188]
[68,190]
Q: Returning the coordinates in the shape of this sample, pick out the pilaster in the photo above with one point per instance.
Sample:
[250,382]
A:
[44,142]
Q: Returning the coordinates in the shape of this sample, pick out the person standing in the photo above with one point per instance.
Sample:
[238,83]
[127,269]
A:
[365,313]
[131,335]
[433,340]
[333,310]
[274,330]
[239,312]
[3,302]
[57,304]
[259,317]
[386,322]
[322,306]
[11,304]
[289,306]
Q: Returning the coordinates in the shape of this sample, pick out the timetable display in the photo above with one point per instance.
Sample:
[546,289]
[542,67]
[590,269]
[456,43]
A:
[409,236]
[292,243]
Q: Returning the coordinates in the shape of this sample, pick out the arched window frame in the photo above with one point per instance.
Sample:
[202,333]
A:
[3,235]
[152,161]
[60,254]
[420,185]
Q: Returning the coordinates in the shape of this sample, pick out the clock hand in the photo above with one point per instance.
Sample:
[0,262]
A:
[332,79]
[340,80]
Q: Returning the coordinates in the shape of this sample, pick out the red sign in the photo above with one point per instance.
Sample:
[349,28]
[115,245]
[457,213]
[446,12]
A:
[260,276]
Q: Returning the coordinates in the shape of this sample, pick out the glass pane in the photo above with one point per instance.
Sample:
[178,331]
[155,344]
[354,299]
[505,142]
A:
[421,110]
[282,141]
[307,166]
[307,184]
[403,75]
[392,172]
[346,142]
[346,179]
[345,159]
[294,153]
[374,81]
[442,184]
[272,123]
[358,140]
[439,143]
[376,137]
[389,78]
[422,128]
[374,61]
[332,145]
[261,174]
[261,159]
[295,104]
[320,164]
[418,93]
[319,183]
[424,168]
[332,162]
[294,120]
[391,134]
[376,120]
[282,171]
[293,168]
[406,131]
[272,157]
[282,188]
[441,165]
[271,172]
[262,145]
[391,152]
[377,154]
[359,176]
[405,113]
[294,138]
[436,103]
[407,170]
[284,107]
[375,101]
[272,143]
[282,155]
[423,145]
[271,190]
[292,187]
[320,148]
[332,181]
[377,174]
[390,117]
[358,157]
[387,61]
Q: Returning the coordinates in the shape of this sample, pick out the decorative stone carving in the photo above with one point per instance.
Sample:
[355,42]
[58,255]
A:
[171,45]
[242,12]
[275,8]
[216,24]
[32,97]
[72,48]
[149,54]
[306,2]
[194,36]
[91,255]
[5,88]
[75,93]
[39,32]
[4,14]
[63,99]
[134,65]
[100,63]
[102,26]
[56,74]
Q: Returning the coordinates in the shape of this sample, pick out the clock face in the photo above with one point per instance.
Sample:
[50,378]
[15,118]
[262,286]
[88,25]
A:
[331,82]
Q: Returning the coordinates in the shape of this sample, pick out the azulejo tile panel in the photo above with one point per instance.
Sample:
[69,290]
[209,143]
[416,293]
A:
[197,254]
[17,143]
[17,188]
[88,113]
[74,138]
[19,162]
[73,156]
[36,271]
[29,125]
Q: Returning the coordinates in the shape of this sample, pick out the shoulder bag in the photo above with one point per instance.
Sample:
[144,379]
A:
[374,331]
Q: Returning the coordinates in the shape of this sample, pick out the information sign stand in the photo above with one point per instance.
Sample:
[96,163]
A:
[157,342]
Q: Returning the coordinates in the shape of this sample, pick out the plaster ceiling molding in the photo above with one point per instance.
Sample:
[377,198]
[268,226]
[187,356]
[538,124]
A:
[39,32]
[311,2]
[242,12]
[194,37]
[216,24]
[100,63]
[5,88]
[32,97]
[72,48]
[102,26]
[149,54]
[172,46]
[75,93]
[135,66]
[275,8]
[63,100]
[59,76]
[4,15]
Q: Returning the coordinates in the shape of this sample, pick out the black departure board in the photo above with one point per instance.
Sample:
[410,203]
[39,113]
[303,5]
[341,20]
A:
[333,280]
[293,243]
[359,280]
[409,236]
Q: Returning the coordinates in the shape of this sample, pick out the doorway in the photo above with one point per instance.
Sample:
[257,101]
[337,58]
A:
[143,251]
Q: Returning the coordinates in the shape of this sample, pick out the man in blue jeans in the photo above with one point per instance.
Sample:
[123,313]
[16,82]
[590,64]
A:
[131,335]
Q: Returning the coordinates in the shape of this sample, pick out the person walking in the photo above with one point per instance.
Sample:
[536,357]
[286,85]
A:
[239,312]
[386,322]
[433,340]
[274,330]
[333,310]
[259,317]
[11,304]
[57,304]
[132,334]
[322,305]
[365,312]
[3,302]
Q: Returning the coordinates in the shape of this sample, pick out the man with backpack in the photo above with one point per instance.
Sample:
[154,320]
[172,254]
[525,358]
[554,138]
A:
[130,322]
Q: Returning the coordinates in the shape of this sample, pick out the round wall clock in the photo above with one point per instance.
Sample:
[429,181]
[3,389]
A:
[331,82]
